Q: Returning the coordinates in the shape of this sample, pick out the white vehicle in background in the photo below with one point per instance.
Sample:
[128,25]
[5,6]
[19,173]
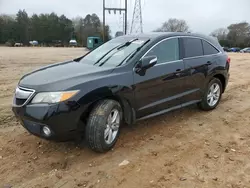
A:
[72,42]
[18,44]
[245,50]
[33,43]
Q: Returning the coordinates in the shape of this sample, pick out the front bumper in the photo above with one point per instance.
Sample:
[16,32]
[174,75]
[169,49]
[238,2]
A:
[62,119]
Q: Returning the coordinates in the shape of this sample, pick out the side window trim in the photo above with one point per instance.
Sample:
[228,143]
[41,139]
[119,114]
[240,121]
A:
[203,50]
[203,41]
[181,48]
[219,52]
[168,62]
[163,40]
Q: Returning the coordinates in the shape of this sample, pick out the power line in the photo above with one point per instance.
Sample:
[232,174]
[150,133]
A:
[136,26]
[119,10]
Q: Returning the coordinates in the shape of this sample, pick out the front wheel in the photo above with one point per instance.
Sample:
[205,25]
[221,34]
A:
[212,95]
[103,126]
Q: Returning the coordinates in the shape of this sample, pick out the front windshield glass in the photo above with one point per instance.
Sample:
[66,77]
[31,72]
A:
[113,52]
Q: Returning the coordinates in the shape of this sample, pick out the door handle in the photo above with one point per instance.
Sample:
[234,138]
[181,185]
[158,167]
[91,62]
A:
[209,63]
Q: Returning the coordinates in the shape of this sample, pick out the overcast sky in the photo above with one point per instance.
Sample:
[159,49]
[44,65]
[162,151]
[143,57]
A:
[201,15]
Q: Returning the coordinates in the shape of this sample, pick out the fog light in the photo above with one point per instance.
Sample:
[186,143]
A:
[46,131]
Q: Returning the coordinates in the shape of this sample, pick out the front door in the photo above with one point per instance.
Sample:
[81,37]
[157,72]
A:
[158,90]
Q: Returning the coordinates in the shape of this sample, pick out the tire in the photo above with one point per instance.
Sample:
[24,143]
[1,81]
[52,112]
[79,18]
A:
[101,135]
[207,104]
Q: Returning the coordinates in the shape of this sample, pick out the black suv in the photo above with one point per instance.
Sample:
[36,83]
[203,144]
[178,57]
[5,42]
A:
[126,79]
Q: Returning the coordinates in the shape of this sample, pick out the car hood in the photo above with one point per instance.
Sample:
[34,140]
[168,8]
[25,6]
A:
[61,76]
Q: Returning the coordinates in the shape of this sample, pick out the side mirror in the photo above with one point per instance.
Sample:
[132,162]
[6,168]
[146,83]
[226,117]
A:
[146,63]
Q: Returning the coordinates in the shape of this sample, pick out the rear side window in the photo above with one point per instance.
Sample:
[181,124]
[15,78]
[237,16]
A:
[209,49]
[166,51]
[192,47]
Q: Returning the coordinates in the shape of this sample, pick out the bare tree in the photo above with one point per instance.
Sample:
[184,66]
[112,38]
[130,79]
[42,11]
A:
[220,34]
[174,25]
[239,34]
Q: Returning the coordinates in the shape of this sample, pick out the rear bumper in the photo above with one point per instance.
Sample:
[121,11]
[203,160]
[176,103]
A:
[62,119]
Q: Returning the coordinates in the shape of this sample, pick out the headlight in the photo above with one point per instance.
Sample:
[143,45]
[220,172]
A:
[53,97]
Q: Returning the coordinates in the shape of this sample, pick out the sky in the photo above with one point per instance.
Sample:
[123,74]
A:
[202,16]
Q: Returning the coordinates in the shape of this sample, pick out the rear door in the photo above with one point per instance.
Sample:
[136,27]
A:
[198,60]
[159,88]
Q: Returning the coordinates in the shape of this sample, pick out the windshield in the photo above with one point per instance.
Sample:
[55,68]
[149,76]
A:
[113,53]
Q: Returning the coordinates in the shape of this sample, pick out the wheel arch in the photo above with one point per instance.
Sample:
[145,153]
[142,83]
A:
[123,95]
[222,79]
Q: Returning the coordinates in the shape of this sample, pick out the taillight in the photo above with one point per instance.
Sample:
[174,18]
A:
[228,60]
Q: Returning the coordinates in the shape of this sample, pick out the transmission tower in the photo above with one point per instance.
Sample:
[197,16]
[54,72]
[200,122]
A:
[136,26]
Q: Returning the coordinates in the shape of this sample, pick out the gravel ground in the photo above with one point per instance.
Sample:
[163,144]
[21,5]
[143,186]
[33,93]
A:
[185,148]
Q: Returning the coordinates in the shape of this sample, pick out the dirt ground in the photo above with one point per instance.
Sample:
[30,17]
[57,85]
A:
[185,148]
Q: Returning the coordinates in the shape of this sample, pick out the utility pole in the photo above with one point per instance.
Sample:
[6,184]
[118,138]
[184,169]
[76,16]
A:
[137,26]
[103,33]
[125,10]
[123,23]
[126,16]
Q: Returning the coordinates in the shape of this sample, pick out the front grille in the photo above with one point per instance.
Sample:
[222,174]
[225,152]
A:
[22,96]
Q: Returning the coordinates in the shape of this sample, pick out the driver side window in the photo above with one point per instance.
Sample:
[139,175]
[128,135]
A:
[166,51]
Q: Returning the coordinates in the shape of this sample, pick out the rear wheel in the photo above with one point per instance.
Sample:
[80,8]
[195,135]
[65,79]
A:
[103,126]
[212,95]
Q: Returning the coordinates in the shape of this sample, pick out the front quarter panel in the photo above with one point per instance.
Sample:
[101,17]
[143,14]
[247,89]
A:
[117,84]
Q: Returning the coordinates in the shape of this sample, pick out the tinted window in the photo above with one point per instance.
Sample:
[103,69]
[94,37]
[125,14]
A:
[208,48]
[192,47]
[166,51]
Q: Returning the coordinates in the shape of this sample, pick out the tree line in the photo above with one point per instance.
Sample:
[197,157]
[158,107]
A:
[235,35]
[48,29]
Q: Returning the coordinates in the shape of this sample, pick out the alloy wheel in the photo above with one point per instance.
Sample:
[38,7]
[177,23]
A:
[213,94]
[112,126]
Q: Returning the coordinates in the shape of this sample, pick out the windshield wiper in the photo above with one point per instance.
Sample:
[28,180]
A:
[105,55]
[108,58]
[115,48]
[133,53]
[126,44]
